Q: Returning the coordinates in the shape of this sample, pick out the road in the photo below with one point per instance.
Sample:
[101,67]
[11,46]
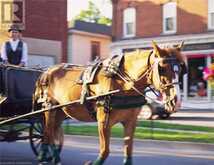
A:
[78,149]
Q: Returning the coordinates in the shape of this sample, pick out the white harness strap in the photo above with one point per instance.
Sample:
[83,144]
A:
[178,90]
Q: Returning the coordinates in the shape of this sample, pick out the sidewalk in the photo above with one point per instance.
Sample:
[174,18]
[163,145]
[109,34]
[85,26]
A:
[197,103]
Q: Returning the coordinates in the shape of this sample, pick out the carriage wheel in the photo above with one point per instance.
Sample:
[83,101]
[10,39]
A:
[36,135]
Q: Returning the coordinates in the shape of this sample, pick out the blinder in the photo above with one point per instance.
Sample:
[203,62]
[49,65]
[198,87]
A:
[174,64]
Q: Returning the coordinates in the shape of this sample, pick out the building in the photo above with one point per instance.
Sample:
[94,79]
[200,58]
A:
[87,41]
[45,28]
[137,22]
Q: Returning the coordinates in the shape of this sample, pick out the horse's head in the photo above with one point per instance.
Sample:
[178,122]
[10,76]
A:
[167,65]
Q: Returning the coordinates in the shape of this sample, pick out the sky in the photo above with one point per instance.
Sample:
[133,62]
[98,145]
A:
[75,6]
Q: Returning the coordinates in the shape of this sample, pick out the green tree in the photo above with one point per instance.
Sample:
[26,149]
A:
[93,14]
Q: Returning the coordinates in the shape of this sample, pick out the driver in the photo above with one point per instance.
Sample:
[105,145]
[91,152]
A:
[14,51]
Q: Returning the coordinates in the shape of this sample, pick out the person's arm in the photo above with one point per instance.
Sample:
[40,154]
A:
[24,55]
[4,54]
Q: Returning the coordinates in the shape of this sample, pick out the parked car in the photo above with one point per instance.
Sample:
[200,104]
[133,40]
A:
[153,110]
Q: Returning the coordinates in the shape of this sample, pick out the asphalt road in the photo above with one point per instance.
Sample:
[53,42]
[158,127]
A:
[78,149]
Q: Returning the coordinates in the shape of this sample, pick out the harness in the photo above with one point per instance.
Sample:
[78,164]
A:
[87,77]
[113,65]
[112,69]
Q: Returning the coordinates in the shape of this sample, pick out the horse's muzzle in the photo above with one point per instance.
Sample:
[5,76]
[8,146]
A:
[171,100]
[170,105]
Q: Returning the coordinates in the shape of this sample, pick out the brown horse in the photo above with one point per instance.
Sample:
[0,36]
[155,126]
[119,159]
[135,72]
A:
[138,70]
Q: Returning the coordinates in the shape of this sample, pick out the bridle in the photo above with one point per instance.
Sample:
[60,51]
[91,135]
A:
[174,66]
[149,73]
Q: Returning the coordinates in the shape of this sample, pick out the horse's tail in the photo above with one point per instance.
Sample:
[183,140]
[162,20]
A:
[39,91]
[40,94]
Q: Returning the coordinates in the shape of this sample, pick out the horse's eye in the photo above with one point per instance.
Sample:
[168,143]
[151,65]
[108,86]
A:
[162,70]
[164,62]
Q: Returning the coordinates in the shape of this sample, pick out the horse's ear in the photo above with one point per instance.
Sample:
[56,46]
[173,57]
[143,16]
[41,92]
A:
[156,48]
[180,46]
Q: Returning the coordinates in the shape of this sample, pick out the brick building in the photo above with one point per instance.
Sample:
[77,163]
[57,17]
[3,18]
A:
[137,22]
[45,28]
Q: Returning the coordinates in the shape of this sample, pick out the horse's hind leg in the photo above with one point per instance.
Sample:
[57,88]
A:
[44,149]
[53,136]
[57,137]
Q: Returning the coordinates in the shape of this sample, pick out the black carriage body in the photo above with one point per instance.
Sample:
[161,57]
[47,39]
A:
[16,91]
[17,86]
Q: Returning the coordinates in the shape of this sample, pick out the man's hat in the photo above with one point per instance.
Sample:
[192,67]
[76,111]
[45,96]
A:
[14,28]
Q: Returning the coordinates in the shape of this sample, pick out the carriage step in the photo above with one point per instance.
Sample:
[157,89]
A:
[2,98]
[3,118]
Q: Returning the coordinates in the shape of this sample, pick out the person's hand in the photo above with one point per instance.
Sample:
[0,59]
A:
[22,64]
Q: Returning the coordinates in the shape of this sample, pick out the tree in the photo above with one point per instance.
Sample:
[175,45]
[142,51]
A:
[93,14]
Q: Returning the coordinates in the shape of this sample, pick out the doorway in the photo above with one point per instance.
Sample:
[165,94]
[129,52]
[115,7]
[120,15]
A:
[197,87]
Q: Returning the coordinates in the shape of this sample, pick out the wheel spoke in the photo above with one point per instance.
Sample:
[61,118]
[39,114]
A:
[36,134]
[39,130]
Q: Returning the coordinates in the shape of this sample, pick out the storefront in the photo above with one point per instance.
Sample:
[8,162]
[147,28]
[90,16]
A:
[199,52]
[194,85]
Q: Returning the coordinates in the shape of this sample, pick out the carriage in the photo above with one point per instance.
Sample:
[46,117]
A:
[16,89]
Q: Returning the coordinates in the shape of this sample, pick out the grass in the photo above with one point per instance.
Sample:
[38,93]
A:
[153,130]
[157,124]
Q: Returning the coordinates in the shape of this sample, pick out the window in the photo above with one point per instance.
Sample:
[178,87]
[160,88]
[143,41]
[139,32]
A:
[129,22]
[210,14]
[95,50]
[169,18]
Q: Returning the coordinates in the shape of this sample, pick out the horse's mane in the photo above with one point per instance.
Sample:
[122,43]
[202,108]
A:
[132,58]
[136,54]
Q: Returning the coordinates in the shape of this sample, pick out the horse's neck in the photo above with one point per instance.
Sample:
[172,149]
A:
[136,63]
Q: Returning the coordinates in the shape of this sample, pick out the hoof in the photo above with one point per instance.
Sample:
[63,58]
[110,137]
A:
[59,163]
[88,163]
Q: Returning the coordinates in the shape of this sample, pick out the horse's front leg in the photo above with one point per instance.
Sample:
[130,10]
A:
[129,129]
[104,137]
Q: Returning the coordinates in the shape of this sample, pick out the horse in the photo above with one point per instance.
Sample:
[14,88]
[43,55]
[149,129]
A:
[60,84]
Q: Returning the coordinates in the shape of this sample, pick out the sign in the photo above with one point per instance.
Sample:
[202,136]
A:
[203,46]
[12,12]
